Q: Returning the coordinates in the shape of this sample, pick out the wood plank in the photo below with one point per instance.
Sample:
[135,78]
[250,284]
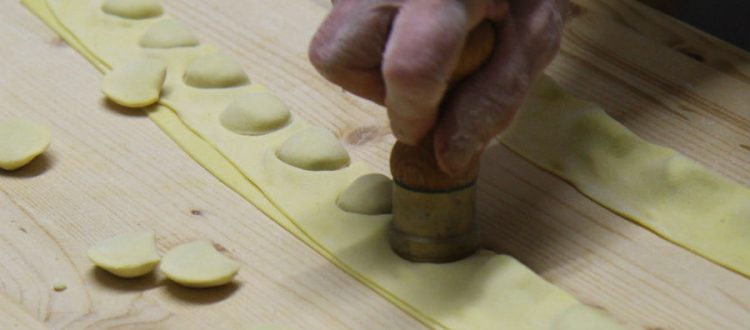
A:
[670,32]
[111,170]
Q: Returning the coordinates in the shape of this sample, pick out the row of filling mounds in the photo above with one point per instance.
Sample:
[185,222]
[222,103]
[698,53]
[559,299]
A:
[138,83]
[167,33]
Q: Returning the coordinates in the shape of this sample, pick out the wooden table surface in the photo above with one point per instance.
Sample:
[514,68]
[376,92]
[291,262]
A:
[110,170]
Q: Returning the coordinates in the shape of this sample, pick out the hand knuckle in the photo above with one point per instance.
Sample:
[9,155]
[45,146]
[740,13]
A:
[320,54]
[410,74]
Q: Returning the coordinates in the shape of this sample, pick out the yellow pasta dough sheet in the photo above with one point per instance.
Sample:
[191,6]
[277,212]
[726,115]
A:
[651,185]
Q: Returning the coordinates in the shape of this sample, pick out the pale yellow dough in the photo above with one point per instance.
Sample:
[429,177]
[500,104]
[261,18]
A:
[369,194]
[59,286]
[133,9]
[215,71]
[135,84]
[169,33]
[126,255]
[649,184]
[20,142]
[255,114]
[198,265]
[314,149]
[495,291]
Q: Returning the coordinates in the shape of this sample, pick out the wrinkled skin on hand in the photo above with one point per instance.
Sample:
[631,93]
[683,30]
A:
[401,53]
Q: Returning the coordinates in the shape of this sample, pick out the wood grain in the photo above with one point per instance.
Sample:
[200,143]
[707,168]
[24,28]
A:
[111,170]
[670,32]
[12,316]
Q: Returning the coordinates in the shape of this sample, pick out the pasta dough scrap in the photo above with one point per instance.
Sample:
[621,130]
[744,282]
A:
[59,286]
[20,142]
[198,265]
[215,71]
[255,114]
[168,33]
[133,9]
[314,149]
[126,255]
[369,194]
[135,84]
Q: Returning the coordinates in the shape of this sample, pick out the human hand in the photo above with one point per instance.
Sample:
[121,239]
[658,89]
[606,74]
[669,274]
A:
[401,54]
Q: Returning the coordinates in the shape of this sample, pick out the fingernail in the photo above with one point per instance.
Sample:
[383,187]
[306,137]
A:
[458,153]
[408,130]
[403,136]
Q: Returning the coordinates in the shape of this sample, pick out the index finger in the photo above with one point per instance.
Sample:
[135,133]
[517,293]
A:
[422,50]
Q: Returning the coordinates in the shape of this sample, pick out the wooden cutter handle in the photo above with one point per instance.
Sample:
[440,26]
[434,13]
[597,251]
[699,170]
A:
[433,212]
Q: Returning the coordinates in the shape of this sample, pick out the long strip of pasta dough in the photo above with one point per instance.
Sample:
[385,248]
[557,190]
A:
[651,185]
